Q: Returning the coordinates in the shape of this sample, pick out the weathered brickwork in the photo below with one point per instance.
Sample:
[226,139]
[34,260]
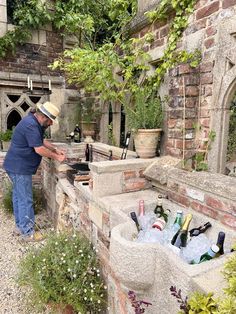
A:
[188,87]
[32,58]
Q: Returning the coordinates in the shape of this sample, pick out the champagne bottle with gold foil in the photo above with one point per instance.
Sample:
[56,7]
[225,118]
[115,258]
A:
[180,238]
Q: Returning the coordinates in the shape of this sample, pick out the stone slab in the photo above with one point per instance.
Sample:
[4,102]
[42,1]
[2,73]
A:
[120,165]
[224,186]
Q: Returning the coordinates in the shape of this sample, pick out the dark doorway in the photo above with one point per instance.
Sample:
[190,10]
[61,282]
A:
[13,119]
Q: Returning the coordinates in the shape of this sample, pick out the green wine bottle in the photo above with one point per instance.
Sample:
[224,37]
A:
[211,253]
[180,238]
[159,210]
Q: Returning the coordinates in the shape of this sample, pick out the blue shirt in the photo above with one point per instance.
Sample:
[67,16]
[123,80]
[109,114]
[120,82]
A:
[21,157]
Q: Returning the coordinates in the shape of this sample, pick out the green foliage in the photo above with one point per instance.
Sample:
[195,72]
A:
[144,111]
[89,21]
[200,158]
[200,303]
[119,68]
[6,136]
[7,198]
[64,271]
[111,137]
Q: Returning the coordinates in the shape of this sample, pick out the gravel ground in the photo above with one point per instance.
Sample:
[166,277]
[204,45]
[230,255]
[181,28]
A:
[11,252]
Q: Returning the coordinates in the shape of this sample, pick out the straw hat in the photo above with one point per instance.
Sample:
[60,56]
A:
[49,110]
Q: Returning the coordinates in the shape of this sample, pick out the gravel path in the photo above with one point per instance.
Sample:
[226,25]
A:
[11,252]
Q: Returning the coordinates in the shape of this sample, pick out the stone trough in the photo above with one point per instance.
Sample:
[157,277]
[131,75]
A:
[150,269]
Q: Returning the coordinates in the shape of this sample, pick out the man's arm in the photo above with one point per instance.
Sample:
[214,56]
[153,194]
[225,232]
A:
[46,152]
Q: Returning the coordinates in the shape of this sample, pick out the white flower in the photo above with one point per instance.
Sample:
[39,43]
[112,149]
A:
[62,258]
[99,301]
[105,287]
[77,262]
[80,251]
[91,299]
[98,271]
[66,240]
[63,261]
[101,295]
[64,288]
[69,269]
[56,243]
[98,275]
[74,275]
[39,271]
[82,255]
[85,298]
[76,246]
[33,256]
[74,235]
[91,285]
[63,254]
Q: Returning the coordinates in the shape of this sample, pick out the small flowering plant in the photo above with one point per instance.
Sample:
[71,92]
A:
[64,271]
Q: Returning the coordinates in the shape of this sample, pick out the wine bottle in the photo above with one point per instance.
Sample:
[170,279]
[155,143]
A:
[180,238]
[77,133]
[220,243]
[211,253]
[159,210]
[178,220]
[196,231]
[87,152]
[135,219]
[141,208]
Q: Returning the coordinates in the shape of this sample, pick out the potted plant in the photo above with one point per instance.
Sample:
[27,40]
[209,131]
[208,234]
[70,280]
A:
[144,116]
[89,114]
[5,138]
[64,276]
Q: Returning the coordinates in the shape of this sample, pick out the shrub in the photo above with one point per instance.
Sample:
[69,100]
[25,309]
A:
[6,136]
[64,271]
[7,199]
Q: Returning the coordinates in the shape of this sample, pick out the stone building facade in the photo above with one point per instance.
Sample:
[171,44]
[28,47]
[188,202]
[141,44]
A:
[30,64]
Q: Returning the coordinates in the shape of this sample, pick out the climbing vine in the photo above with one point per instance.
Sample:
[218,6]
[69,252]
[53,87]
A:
[88,20]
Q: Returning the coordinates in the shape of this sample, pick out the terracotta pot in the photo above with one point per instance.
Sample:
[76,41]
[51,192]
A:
[145,141]
[6,145]
[88,131]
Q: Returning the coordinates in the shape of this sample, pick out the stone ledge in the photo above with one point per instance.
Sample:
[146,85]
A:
[120,165]
[159,170]
[210,182]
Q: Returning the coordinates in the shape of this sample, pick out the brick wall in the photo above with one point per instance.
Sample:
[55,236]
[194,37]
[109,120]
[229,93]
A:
[190,89]
[32,58]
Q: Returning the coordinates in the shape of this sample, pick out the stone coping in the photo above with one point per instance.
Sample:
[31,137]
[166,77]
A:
[120,165]
[116,151]
[215,183]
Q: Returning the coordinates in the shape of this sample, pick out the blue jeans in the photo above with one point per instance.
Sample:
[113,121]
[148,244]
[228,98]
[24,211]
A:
[22,199]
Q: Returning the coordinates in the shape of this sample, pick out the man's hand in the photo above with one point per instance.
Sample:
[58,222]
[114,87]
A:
[60,156]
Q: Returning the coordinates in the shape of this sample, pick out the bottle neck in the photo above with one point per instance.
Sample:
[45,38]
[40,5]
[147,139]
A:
[186,222]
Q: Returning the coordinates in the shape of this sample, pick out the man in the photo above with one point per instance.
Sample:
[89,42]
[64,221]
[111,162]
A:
[22,161]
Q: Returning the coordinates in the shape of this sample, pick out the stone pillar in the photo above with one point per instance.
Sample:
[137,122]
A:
[3,17]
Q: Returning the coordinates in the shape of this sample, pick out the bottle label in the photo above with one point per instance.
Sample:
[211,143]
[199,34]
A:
[159,224]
